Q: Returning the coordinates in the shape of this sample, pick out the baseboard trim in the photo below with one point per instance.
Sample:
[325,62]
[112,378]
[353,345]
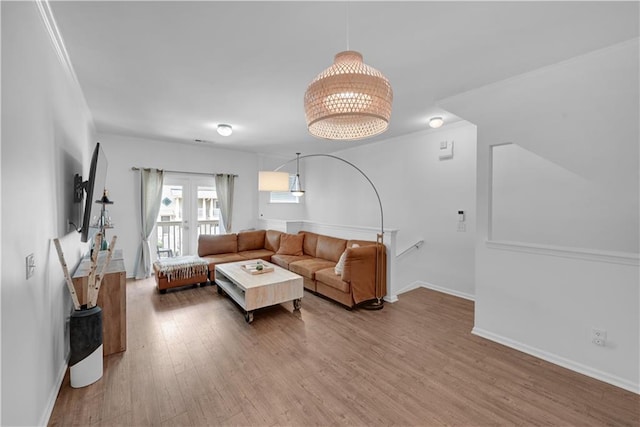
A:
[558,360]
[391,298]
[421,284]
[46,416]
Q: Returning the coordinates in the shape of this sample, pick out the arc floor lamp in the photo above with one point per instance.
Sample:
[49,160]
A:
[279,181]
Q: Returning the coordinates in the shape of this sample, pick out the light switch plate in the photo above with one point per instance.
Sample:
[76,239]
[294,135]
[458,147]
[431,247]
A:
[31,265]
[446,152]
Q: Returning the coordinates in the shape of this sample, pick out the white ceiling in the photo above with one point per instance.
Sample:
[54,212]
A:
[172,70]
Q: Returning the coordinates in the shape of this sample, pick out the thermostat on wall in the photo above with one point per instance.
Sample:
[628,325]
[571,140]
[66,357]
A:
[446,150]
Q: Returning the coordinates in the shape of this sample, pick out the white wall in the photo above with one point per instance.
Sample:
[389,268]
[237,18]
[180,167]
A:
[536,200]
[124,184]
[46,132]
[421,195]
[581,115]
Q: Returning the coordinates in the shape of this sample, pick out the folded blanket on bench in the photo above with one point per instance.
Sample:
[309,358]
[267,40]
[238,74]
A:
[182,267]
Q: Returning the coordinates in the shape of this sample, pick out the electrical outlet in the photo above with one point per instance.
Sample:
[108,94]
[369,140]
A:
[462,227]
[599,336]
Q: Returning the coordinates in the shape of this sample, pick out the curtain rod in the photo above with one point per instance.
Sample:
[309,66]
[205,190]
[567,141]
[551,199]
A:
[136,168]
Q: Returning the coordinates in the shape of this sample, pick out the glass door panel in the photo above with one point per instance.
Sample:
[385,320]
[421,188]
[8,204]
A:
[186,201]
[208,210]
[172,223]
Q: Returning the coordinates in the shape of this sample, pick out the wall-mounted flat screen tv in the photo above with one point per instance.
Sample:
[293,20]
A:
[94,186]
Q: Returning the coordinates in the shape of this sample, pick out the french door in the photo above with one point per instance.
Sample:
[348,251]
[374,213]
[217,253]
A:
[189,207]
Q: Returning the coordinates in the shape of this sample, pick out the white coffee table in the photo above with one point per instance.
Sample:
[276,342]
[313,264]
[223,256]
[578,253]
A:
[253,291]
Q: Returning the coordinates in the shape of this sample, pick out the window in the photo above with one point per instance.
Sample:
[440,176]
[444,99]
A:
[284,196]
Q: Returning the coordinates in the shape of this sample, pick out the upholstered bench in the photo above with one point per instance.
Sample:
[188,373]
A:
[180,271]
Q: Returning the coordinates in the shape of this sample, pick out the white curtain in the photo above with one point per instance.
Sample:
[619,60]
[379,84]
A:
[224,189]
[151,193]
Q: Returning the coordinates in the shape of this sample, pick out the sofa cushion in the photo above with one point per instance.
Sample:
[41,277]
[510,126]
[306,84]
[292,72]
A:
[330,248]
[290,244]
[329,278]
[340,265]
[221,259]
[310,243]
[308,267]
[284,260]
[257,254]
[251,240]
[210,244]
[272,240]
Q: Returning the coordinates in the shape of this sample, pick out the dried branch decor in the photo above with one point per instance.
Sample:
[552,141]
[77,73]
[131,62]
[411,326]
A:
[67,276]
[98,282]
[92,270]
[95,278]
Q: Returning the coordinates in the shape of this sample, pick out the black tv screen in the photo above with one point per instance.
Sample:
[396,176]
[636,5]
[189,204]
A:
[94,187]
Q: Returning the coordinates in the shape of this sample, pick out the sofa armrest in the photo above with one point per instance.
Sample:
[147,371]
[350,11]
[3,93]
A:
[360,272]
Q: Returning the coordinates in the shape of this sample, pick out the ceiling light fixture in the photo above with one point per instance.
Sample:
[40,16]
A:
[349,100]
[225,130]
[436,122]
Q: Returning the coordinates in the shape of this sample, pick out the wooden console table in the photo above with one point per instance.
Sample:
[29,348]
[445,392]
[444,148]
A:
[112,299]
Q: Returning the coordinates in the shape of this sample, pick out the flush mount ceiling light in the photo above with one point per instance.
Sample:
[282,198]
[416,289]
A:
[349,100]
[436,122]
[225,130]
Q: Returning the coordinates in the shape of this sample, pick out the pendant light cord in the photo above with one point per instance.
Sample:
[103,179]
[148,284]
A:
[347,25]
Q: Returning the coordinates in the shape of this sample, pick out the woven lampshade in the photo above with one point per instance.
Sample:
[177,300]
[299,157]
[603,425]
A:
[349,100]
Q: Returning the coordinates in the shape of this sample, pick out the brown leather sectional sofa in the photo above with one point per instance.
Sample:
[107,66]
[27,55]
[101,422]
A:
[312,256]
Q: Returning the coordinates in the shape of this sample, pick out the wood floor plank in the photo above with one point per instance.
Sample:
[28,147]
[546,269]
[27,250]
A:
[192,360]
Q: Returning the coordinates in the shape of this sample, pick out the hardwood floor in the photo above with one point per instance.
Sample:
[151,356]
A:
[192,360]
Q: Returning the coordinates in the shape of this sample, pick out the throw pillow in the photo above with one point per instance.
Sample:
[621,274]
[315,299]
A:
[340,265]
[291,244]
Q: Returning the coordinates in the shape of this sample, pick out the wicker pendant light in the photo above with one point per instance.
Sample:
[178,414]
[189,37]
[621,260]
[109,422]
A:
[349,100]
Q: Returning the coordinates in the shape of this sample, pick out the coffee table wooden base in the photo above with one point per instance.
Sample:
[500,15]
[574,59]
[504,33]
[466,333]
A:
[252,292]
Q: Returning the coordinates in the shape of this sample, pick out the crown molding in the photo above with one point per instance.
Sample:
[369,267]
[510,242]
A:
[57,42]
[56,39]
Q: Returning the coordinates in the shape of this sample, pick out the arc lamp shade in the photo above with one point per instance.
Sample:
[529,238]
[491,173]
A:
[273,181]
